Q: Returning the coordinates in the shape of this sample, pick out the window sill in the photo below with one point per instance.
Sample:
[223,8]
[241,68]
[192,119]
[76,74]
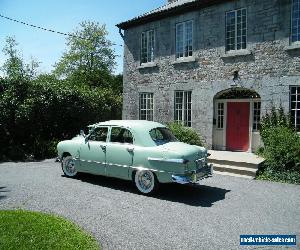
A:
[293,46]
[236,53]
[147,65]
[184,60]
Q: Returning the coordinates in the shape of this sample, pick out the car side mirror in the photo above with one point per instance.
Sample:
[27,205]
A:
[82,133]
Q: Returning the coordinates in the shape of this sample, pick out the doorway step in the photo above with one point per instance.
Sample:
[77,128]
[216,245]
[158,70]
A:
[238,164]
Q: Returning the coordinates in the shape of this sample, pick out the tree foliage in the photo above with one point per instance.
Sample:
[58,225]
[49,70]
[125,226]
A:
[89,58]
[14,67]
[37,111]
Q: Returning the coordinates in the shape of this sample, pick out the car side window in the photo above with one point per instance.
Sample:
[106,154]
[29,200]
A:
[99,134]
[121,135]
[156,135]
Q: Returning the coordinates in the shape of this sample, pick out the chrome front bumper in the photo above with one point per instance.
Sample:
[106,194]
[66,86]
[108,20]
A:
[196,176]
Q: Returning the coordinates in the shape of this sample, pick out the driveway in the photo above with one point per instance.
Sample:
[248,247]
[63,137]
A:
[210,216]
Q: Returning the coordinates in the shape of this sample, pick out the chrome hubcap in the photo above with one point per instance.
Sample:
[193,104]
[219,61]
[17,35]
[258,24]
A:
[145,181]
[70,166]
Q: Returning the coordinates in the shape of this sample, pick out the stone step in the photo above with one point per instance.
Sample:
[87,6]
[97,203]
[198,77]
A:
[235,163]
[234,175]
[246,171]
[253,165]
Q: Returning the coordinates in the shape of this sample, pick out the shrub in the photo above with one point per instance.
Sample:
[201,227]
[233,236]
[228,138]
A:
[36,114]
[185,134]
[281,148]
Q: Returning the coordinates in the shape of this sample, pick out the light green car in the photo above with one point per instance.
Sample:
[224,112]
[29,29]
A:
[142,151]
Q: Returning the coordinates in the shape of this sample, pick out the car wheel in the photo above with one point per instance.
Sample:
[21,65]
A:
[146,182]
[68,166]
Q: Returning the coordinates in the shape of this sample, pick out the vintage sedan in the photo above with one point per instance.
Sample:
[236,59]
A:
[142,151]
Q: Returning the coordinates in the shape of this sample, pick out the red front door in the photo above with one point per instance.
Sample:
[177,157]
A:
[237,132]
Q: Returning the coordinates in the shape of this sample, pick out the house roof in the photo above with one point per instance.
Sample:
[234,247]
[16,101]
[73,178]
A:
[170,9]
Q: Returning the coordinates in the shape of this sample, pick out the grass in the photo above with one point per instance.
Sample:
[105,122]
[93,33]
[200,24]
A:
[33,230]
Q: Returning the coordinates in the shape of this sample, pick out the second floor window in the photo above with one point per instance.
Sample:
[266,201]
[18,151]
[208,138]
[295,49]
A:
[183,107]
[147,46]
[184,39]
[236,29]
[296,21]
[146,106]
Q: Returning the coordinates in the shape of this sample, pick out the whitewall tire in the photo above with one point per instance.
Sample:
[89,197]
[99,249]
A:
[68,166]
[145,181]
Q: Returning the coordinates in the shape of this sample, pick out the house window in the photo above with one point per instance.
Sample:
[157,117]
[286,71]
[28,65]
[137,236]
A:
[295,106]
[146,106]
[236,29]
[296,21]
[256,116]
[220,123]
[183,107]
[184,39]
[147,46]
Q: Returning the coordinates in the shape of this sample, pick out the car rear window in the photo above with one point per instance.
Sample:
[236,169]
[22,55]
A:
[162,135]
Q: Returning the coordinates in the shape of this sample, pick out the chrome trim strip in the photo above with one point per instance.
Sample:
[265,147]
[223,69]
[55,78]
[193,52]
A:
[103,163]
[166,160]
[117,165]
[89,161]
[153,170]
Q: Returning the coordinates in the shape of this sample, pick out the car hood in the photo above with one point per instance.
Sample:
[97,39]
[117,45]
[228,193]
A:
[190,152]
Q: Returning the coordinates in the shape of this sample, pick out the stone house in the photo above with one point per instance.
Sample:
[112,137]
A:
[214,65]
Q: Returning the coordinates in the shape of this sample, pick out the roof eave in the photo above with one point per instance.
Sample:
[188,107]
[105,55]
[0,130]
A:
[170,12]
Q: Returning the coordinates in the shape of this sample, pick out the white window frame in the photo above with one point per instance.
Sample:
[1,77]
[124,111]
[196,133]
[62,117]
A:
[256,116]
[236,30]
[150,46]
[146,112]
[220,115]
[183,110]
[296,108]
[293,18]
[184,53]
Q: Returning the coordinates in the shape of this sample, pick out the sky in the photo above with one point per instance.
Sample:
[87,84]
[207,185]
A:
[64,16]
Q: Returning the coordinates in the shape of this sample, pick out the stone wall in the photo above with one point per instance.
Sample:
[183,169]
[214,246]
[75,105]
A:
[269,65]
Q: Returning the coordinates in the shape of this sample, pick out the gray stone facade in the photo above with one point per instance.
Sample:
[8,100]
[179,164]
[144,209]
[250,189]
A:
[270,65]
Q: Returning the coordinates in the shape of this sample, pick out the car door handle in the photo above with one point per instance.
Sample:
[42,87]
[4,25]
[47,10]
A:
[130,150]
[103,147]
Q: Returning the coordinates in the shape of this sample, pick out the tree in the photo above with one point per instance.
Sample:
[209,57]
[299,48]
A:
[14,67]
[89,58]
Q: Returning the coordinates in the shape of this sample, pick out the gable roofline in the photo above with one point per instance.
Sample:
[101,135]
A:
[171,9]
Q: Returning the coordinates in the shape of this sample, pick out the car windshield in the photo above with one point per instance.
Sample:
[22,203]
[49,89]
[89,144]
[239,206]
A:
[162,135]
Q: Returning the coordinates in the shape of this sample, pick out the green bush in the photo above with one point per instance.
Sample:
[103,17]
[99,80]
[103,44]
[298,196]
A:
[185,134]
[287,176]
[36,114]
[281,148]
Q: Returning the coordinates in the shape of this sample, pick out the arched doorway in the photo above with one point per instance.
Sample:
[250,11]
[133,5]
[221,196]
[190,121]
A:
[236,123]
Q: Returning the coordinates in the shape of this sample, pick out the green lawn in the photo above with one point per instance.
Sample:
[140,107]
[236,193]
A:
[32,230]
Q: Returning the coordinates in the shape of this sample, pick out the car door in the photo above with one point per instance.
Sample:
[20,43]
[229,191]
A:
[93,152]
[119,152]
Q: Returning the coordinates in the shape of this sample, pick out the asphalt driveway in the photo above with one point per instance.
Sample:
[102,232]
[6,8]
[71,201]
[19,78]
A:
[210,216]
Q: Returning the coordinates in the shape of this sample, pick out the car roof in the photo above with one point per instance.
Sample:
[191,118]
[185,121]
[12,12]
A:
[130,124]
[140,128]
